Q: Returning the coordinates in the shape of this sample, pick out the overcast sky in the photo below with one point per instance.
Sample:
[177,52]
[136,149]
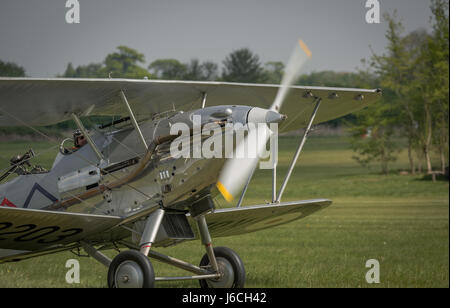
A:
[35,35]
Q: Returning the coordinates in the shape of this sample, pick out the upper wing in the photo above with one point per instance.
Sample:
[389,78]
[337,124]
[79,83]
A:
[235,221]
[47,101]
[32,230]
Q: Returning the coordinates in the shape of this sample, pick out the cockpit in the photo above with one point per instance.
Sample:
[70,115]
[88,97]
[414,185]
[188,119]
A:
[77,141]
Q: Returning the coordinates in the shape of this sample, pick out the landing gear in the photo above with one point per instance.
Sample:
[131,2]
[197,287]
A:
[131,269]
[220,267]
[221,260]
[231,269]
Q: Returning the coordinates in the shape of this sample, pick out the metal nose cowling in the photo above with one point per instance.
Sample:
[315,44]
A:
[260,115]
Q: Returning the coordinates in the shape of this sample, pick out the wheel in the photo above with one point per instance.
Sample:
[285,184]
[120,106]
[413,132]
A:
[230,266]
[131,269]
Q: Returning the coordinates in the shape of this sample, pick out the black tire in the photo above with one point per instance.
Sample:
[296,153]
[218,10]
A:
[224,255]
[138,262]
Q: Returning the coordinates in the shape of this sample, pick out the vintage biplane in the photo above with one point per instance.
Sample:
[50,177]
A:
[118,186]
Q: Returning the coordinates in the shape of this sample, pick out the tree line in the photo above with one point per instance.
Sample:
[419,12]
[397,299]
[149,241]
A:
[241,65]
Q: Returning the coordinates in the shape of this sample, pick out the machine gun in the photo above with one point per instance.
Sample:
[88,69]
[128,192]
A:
[20,164]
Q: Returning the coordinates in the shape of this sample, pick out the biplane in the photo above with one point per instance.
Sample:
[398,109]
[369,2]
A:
[117,185]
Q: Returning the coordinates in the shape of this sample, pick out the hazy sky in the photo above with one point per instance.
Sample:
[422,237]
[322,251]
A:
[35,35]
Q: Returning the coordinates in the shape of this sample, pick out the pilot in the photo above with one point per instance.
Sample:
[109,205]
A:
[78,139]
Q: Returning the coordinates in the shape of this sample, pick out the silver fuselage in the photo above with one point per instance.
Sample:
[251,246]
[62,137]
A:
[130,176]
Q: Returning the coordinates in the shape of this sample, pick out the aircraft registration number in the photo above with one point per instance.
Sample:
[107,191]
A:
[31,232]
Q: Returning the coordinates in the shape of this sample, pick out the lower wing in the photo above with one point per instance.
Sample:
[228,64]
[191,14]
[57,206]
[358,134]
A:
[240,220]
[26,233]
[35,230]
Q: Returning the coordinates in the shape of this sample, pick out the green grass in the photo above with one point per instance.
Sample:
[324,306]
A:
[400,220]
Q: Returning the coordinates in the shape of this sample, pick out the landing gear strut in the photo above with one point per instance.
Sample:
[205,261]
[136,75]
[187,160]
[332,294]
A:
[132,268]
[221,260]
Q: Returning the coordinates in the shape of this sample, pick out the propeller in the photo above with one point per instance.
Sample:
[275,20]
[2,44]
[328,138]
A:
[237,169]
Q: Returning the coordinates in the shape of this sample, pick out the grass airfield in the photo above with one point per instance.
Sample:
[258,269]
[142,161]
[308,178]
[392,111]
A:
[400,220]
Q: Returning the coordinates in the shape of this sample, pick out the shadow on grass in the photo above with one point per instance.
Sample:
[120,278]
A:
[429,178]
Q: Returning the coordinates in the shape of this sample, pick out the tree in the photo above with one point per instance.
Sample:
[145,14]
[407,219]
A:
[93,70]
[438,53]
[168,69]
[171,69]
[396,71]
[201,71]
[194,70]
[125,64]
[210,70]
[414,76]
[242,65]
[121,64]
[10,69]
[339,79]
[273,71]
[70,71]
[372,135]
[421,94]
[429,87]
[395,111]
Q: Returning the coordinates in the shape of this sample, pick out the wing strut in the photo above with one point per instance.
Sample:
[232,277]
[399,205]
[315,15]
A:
[241,198]
[87,136]
[299,149]
[133,119]
[203,100]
